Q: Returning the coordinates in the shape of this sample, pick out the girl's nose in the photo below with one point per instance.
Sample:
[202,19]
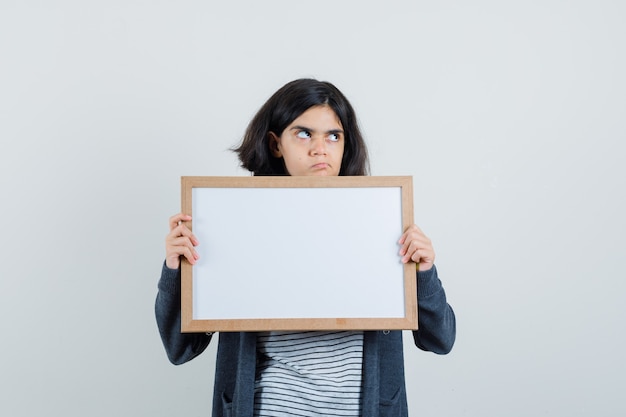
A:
[318,146]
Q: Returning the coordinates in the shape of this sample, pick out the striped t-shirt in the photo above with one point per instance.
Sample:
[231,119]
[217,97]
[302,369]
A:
[308,374]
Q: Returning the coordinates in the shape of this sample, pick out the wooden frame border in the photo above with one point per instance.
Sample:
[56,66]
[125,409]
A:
[408,322]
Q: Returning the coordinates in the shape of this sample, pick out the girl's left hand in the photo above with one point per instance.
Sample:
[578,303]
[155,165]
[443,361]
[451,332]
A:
[417,247]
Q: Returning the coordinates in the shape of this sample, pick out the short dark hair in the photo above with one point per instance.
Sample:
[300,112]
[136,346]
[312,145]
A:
[282,108]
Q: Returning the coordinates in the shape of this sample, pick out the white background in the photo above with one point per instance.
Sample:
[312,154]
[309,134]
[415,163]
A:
[508,114]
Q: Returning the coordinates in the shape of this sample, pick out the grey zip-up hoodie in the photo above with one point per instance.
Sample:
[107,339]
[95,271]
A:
[383,385]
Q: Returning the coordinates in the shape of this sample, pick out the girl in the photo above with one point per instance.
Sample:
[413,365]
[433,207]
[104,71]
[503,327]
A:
[307,127]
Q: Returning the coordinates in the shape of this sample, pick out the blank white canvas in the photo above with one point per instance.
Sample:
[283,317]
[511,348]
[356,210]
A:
[297,253]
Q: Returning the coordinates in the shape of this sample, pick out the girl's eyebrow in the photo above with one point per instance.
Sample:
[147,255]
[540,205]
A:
[308,129]
[335,131]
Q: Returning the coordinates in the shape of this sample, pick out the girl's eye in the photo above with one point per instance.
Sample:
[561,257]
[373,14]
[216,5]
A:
[333,137]
[303,134]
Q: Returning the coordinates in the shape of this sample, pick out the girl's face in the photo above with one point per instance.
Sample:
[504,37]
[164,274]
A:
[312,144]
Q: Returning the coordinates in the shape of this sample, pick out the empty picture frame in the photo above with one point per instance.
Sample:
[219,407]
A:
[298,253]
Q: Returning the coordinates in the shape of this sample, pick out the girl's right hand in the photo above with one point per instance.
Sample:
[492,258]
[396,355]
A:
[180,242]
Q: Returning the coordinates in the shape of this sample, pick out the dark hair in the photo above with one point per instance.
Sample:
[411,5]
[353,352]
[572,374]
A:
[287,104]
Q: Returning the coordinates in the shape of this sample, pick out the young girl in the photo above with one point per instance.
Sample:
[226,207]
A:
[306,128]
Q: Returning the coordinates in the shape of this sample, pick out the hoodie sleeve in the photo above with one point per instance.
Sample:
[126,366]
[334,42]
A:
[180,347]
[436,320]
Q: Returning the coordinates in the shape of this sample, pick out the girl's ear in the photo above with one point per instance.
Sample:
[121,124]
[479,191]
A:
[274,142]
